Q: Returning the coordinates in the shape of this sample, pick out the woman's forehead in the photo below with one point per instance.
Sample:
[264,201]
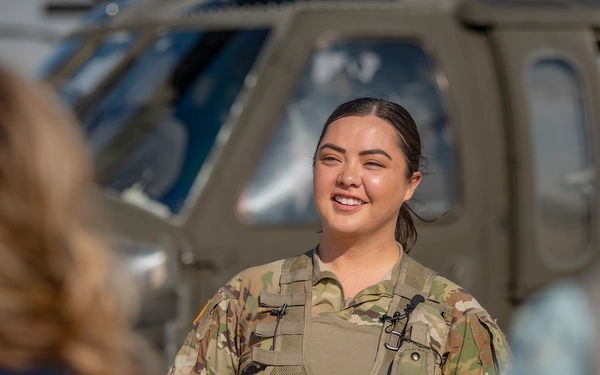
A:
[358,131]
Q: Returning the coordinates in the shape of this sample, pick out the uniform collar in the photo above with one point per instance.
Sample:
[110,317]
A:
[321,271]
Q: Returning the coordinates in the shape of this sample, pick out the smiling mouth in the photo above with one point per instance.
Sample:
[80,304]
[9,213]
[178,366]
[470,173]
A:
[348,201]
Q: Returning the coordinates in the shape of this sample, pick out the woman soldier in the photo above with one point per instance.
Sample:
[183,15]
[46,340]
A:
[357,303]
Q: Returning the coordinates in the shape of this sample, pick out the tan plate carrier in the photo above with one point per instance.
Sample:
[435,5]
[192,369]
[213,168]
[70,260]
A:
[289,354]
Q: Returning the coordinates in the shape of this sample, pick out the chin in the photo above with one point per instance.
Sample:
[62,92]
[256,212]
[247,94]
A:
[346,230]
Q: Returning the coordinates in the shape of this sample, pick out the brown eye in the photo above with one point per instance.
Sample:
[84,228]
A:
[374,164]
[328,159]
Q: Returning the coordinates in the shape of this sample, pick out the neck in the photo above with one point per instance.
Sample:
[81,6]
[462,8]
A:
[366,254]
[360,263]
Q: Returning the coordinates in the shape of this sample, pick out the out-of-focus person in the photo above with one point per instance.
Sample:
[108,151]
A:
[556,330]
[58,314]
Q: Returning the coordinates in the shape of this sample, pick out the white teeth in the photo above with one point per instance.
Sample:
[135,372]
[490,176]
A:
[348,201]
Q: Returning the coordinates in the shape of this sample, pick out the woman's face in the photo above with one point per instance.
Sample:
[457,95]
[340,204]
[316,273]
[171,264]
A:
[360,177]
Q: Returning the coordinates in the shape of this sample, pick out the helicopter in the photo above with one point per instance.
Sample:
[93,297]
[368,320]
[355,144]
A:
[202,117]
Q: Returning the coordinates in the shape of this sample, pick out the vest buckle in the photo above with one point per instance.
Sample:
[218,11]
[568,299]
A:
[398,344]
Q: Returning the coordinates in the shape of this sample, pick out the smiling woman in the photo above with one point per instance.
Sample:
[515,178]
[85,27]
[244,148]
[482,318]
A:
[357,294]
[370,155]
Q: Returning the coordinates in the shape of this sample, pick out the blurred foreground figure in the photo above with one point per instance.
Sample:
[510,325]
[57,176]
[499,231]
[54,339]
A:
[57,312]
[556,330]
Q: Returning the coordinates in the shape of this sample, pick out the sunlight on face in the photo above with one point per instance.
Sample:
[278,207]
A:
[360,177]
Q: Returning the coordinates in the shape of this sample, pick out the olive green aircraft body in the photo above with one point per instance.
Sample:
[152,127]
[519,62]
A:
[202,119]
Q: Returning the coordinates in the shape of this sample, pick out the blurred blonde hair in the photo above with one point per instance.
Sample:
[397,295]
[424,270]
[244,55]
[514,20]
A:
[56,302]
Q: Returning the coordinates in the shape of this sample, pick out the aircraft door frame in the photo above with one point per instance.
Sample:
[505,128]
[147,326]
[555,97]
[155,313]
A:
[519,52]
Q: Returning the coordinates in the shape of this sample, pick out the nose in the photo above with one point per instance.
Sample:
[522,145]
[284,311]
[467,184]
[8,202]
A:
[349,176]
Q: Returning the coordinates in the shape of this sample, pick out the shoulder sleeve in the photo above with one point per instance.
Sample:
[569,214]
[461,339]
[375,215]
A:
[212,347]
[218,339]
[476,345]
[553,333]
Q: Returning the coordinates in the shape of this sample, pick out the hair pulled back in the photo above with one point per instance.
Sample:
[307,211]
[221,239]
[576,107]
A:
[409,142]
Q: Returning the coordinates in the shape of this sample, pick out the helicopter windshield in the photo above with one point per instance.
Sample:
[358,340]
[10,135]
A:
[152,131]
[110,53]
[60,55]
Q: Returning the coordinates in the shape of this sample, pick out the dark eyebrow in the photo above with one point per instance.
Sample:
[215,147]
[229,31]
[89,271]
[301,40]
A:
[375,151]
[333,147]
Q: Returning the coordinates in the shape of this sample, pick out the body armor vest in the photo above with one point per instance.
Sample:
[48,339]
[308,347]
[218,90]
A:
[408,343]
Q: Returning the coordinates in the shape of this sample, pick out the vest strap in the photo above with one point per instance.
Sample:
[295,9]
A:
[413,279]
[301,275]
[295,285]
[285,328]
[276,358]
[403,290]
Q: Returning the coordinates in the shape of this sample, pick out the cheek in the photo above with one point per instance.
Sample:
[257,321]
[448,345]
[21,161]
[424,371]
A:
[383,187]
[323,178]
[375,181]
[379,185]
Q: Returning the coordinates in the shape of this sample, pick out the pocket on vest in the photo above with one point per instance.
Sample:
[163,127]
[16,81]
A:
[414,360]
[427,326]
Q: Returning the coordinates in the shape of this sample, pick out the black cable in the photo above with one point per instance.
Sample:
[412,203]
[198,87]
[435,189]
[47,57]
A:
[279,313]
[392,320]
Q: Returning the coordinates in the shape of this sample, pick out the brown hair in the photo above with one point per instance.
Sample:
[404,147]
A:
[409,142]
[56,302]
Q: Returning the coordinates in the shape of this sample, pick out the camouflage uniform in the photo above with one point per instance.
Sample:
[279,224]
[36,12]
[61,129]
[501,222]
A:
[225,334]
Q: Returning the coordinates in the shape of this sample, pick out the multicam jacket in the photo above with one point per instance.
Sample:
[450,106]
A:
[230,330]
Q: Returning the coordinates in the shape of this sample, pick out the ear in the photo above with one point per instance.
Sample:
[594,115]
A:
[413,182]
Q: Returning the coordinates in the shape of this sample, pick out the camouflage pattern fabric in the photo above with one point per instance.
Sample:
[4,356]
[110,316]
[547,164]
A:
[221,341]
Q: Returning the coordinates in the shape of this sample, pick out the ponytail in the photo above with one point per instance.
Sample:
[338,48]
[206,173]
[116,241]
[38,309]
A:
[406,232]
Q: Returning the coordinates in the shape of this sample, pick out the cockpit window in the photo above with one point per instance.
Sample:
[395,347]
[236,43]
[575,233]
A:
[61,54]
[280,191]
[564,178]
[104,122]
[97,67]
[152,133]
